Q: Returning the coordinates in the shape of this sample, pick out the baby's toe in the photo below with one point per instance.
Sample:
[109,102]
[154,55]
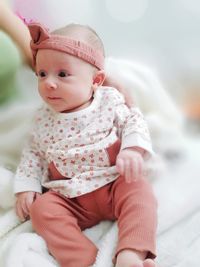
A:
[149,263]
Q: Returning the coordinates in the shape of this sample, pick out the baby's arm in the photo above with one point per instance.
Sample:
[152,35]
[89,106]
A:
[133,131]
[17,30]
[23,203]
[29,174]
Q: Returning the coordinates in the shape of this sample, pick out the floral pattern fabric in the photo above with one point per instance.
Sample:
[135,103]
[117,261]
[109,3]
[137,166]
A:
[76,143]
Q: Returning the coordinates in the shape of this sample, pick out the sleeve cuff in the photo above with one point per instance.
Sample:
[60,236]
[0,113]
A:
[27,184]
[135,140]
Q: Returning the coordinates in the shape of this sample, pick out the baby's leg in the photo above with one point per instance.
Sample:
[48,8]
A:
[58,221]
[135,208]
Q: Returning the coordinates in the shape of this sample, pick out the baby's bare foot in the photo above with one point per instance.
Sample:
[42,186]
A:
[146,263]
[149,263]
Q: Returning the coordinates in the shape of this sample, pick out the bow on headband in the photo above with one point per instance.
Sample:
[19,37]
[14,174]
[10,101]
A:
[42,39]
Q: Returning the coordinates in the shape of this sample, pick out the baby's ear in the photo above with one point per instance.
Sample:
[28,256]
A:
[99,78]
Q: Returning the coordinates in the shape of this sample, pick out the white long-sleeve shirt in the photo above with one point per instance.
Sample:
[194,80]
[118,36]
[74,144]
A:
[77,143]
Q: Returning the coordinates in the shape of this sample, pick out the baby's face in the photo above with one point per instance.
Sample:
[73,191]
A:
[64,81]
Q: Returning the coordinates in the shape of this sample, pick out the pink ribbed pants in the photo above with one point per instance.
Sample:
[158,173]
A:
[60,220]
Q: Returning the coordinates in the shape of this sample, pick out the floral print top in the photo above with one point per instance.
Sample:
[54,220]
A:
[77,145]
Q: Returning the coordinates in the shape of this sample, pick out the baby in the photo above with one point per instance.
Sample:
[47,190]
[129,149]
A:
[86,154]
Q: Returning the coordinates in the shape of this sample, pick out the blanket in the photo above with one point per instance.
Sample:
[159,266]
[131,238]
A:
[176,188]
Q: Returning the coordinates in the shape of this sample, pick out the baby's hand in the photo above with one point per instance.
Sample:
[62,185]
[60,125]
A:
[23,203]
[130,164]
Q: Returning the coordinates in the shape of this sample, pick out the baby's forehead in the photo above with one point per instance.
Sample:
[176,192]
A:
[51,54]
[49,58]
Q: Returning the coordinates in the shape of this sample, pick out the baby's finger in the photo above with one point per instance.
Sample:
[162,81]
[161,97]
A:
[128,171]
[140,169]
[134,173]
[120,166]
[24,207]
[20,213]
[29,201]
[133,170]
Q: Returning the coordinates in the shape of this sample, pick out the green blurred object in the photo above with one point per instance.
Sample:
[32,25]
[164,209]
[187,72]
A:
[9,64]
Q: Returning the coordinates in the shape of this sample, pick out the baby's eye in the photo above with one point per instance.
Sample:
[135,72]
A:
[62,74]
[42,73]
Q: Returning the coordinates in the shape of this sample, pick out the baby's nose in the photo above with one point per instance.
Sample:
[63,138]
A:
[51,84]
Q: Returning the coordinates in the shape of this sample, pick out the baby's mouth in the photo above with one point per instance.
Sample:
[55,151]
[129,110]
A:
[53,98]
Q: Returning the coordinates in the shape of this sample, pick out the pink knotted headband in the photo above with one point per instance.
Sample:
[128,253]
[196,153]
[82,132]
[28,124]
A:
[42,39]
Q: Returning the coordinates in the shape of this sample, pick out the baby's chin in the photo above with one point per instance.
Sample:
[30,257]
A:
[58,109]
[57,105]
[67,109]
[62,109]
